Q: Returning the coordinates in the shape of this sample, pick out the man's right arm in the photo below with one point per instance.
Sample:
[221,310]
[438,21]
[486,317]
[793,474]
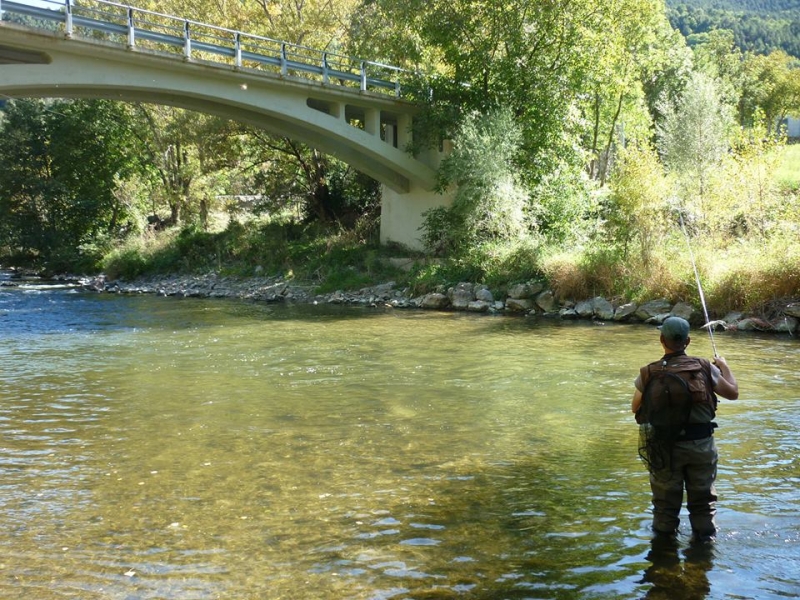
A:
[726,384]
[636,403]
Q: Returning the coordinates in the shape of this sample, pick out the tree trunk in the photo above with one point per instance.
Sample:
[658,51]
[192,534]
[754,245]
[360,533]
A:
[604,170]
[595,136]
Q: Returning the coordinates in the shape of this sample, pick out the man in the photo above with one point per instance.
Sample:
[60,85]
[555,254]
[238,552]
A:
[689,458]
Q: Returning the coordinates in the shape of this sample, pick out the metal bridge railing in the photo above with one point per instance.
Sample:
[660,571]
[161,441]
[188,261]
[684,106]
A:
[135,27]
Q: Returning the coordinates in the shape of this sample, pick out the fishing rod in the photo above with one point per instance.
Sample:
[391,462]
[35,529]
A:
[708,325]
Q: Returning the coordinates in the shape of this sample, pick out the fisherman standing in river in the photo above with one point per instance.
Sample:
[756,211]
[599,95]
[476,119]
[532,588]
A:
[675,403]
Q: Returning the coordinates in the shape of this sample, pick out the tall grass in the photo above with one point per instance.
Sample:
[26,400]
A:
[744,276]
[752,277]
[609,271]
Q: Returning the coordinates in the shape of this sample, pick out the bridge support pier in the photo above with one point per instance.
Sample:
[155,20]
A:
[402,214]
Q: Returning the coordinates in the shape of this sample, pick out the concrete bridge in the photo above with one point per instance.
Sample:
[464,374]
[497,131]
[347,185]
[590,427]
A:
[351,109]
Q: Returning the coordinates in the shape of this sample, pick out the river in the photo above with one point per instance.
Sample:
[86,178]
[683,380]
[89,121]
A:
[210,449]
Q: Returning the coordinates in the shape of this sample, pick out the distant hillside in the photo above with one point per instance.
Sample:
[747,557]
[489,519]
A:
[756,6]
[759,26]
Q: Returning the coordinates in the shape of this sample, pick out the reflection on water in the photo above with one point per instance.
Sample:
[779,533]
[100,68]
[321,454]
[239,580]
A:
[678,574]
[162,448]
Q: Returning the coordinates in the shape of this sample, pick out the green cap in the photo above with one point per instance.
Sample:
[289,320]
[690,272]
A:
[675,329]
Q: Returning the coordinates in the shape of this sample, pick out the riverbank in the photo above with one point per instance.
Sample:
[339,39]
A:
[532,299]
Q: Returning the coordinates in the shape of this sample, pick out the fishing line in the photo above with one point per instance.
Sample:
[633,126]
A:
[699,286]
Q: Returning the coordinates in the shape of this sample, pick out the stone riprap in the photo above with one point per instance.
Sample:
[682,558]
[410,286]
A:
[527,299]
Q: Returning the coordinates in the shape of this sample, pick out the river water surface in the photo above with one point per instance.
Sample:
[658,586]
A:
[209,449]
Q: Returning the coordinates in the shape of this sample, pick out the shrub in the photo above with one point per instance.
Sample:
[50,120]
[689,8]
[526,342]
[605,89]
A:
[489,204]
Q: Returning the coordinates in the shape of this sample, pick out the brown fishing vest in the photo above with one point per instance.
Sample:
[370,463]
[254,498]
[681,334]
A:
[696,372]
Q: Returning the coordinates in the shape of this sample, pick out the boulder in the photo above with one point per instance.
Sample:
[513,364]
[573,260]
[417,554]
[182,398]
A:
[685,311]
[793,309]
[461,295]
[733,317]
[478,306]
[520,291]
[546,301]
[753,324]
[658,319]
[484,295]
[519,304]
[787,324]
[435,301]
[535,287]
[384,289]
[624,312]
[653,308]
[584,309]
[568,313]
[602,308]
[523,291]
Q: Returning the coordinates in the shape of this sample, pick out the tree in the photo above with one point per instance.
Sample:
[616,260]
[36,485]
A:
[63,162]
[693,136]
[632,43]
[526,56]
[311,186]
[771,85]
[719,58]
[758,27]
[319,24]
[640,193]
[186,152]
[287,171]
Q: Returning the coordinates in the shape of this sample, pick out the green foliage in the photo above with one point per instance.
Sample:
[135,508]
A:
[693,137]
[294,178]
[562,206]
[635,212]
[787,173]
[547,102]
[496,265]
[440,231]
[63,162]
[189,158]
[125,262]
[330,258]
[760,26]
[746,199]
[605,269]
[770,90]
[751,277]
[526,57]
[489,202]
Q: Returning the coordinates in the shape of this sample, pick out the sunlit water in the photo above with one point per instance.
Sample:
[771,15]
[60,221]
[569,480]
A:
[191,449]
